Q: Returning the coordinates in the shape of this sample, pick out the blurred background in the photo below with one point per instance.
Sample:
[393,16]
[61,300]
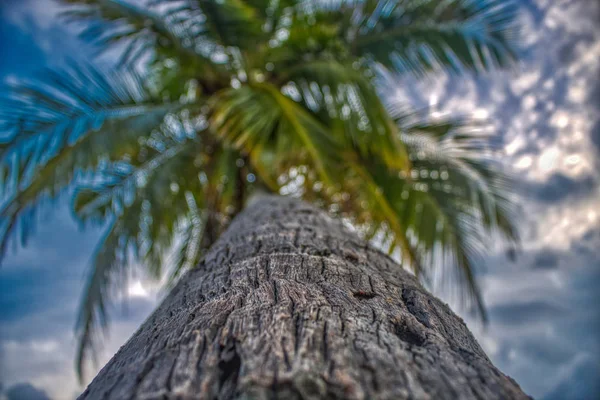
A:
[544,328]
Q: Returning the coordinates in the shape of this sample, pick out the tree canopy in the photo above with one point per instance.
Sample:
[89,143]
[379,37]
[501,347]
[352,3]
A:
[210,101]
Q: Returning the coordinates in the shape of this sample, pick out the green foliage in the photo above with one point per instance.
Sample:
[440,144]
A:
[245,95]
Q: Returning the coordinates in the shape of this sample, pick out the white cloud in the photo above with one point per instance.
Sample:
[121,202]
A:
[48,363]
[137,290]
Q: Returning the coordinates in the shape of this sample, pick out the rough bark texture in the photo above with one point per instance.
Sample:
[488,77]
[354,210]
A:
[290,305]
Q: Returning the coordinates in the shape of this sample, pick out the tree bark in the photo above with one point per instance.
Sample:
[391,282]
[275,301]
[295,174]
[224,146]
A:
[288,304]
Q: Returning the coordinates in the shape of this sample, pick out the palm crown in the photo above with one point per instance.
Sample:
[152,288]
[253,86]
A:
[245,95]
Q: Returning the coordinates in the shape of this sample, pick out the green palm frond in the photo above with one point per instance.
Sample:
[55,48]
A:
[385,217]
[62,126]
[418,36]
[160,211]
[259,115]
[109,22]
[165,35]
[454,200]
[311,36]
[96,291]
[188,251]
[345,100]
[145,210]
[229,23]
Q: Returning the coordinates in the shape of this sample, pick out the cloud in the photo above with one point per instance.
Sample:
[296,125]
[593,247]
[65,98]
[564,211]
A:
[581,382]
[40,289]
[546,259]
[559,187]
[48,362]
[25,391]
[516,313]
[595,131]
[542,320]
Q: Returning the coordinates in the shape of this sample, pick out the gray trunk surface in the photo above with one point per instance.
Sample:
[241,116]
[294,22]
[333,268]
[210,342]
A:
[288,304]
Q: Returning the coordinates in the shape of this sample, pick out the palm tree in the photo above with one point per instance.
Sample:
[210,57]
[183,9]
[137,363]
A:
[244,96]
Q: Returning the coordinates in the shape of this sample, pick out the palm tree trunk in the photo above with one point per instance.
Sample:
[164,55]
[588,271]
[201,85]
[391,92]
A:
[288,304]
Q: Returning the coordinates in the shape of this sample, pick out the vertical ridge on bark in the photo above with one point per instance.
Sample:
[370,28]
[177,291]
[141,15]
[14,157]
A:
[288,304]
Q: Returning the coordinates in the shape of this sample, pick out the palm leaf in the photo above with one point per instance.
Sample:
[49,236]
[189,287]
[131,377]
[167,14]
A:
[420,36]
[229,23]
[454,200]
[165,34]
[384,213]
[145,214]
[260,115]
[187,253]
[346,101]
[64,125]
[157,224]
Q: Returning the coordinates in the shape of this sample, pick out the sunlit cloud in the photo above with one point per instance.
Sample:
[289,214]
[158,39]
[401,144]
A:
[137,290]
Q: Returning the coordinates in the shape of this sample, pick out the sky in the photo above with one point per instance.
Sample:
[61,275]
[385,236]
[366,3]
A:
[544,328]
